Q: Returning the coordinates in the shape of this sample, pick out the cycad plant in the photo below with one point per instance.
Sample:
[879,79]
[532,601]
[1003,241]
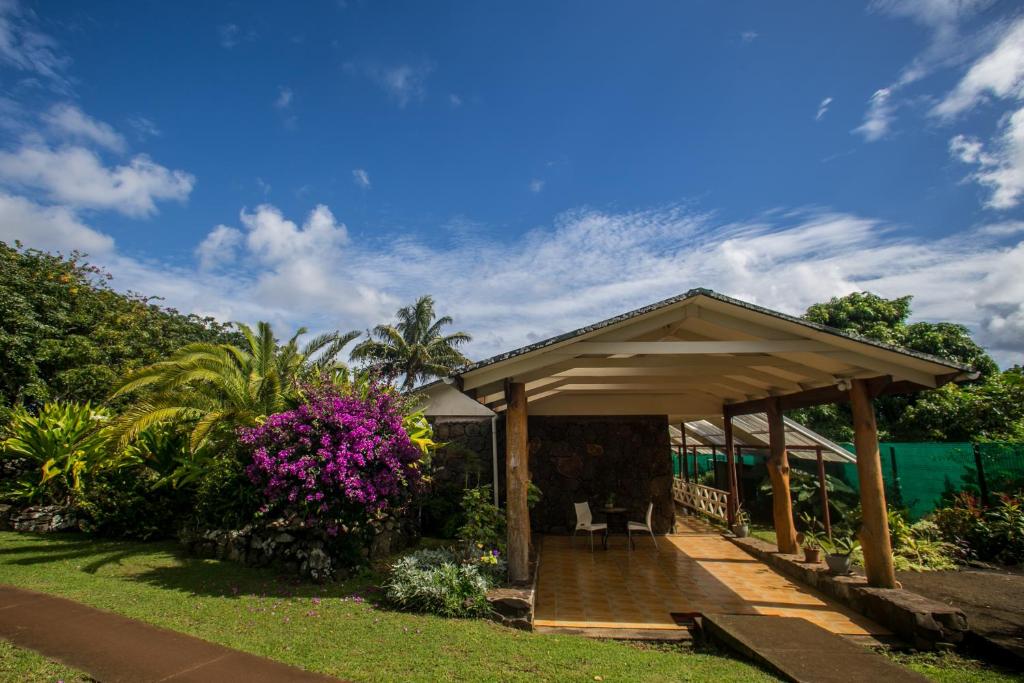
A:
[220,387]
[414,349]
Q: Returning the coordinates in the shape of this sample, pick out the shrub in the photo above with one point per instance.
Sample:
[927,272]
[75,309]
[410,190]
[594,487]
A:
[434,581]
[335,462]
[64,445]
[995,533]
[225,497]
[485,522]
[123,504]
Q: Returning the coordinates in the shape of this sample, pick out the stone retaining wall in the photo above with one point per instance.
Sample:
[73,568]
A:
[923,623]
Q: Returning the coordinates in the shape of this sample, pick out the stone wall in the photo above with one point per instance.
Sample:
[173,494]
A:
[466,459]
[576,459]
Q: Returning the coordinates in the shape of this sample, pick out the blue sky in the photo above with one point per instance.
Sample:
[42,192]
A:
[535,166]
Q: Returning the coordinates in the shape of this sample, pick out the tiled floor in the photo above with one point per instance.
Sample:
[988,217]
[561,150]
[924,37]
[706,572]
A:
[695,571]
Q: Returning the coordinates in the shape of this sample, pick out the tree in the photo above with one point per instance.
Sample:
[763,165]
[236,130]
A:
[983,409]
[220,387]
[414,348]
[66,335]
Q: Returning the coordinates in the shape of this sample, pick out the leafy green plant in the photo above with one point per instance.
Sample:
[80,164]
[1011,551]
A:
[806,493]
[67,444]
[813,532]
[995,533]
[533,495]
[840,545]
[124,504]
[485,522]
[434,581]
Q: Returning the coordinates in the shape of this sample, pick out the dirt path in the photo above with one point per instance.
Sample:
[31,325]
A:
[992,600]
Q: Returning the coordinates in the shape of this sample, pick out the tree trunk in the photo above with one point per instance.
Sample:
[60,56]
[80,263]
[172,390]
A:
[517,468]
[778,472]
[874,534]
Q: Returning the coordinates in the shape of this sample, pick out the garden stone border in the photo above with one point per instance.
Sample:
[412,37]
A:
[923,623]
[513,606]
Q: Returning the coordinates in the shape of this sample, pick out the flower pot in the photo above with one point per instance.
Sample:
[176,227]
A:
[741,530]
[812,555]
[839,564]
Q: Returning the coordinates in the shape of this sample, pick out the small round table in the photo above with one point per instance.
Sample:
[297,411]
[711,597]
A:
[614,516]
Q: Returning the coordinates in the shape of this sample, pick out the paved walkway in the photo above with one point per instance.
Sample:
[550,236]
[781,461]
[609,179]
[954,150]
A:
[694,572]
[113,648]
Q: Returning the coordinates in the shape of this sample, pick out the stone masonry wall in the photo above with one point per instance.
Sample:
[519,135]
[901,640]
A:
[576,459]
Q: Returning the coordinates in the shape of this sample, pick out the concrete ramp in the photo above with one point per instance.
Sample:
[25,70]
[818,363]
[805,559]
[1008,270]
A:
[800,651]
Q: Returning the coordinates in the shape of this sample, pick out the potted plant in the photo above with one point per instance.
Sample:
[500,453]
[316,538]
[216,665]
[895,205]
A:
[839,553]
[741,529]
[811,538]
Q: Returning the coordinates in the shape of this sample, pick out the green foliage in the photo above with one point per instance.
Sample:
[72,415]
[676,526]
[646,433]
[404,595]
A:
[989,409]
[805,491]
[414,348]
[125,504]
[224,496]
[813,533]
[840,544]
[995,533]
[217,388]
[919,546]
[66,335]
[434,581]
[65,446]
[485,522]
[533,495]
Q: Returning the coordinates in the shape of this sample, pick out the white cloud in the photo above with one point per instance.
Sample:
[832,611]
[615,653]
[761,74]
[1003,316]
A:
[1001,166]
[454,100]
[218,247]
[1000,73]
[823,108]
[144,128]
[69,121]
[53,228]
[749,36]
[536,185]
[284,98]
[77,177]
[361,178]
[25,47]
[879,117]
[404,83]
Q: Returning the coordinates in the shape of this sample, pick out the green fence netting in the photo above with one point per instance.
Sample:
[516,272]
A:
[918,476]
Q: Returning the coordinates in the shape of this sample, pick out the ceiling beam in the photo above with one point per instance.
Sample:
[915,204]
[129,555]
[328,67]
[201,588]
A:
[701,347]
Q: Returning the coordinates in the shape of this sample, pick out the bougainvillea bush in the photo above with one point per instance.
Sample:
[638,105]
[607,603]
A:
[338,463]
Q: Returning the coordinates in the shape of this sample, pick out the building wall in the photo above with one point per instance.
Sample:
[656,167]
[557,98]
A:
[576,459]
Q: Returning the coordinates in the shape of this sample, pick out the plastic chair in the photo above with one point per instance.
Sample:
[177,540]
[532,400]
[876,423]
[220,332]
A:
[642,526]
[585,522]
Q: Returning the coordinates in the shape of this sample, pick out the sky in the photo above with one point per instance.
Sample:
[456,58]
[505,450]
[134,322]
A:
[535,166]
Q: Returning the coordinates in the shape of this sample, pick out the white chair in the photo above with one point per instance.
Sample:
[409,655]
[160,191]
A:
[585,522]
[642,526]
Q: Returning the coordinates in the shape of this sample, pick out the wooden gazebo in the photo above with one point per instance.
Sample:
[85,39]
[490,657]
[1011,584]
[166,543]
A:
[697,356]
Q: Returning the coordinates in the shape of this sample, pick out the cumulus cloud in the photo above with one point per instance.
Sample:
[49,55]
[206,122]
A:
[69,121]
[77,177]
[585,266]
[1000,165]
[361,178]
[284,98]
[48,227]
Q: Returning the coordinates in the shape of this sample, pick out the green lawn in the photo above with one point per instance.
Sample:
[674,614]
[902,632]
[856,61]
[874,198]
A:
[334,629]
[17,664]
[949,667]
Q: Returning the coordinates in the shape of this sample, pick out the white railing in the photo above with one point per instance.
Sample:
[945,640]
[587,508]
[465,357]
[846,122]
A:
[704,499]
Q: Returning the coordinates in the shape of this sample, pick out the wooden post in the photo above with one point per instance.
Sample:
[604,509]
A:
[730,466]
[823,489]
[682,451]
[739,468]
[517,469]
[874,533]
[778,472]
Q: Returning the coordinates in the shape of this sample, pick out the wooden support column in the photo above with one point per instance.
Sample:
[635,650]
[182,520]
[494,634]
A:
[730,466]
[826,518]
[517,475]
[682,451]
[874,532]
[778,472]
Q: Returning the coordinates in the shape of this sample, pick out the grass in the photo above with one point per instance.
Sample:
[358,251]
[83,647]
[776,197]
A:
[17,664]
[336,629]
[950,667]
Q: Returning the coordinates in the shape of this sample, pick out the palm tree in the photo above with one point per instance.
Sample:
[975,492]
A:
[219,387]
[414,347]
